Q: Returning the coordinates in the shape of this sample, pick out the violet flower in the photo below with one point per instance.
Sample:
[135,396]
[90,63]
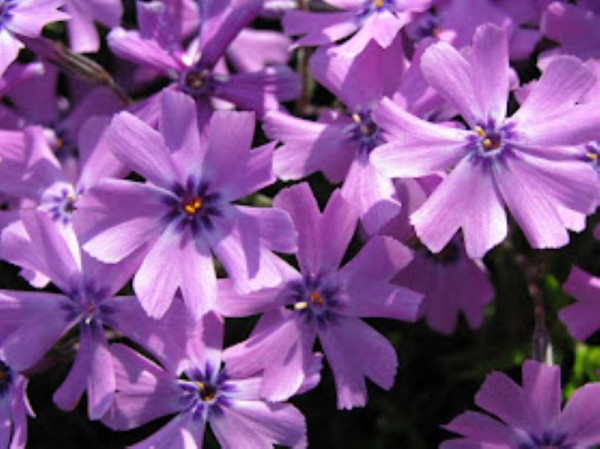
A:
[323,301]
[14,408]
[195,70]
[363,20]
[526,161]
[31,322]
[340,144]
[83,36]
[203,394]
[455,22]
[184,213]
[529,417]
[574,27]
[582,318]
[27,18]
[451,283]
[32,174]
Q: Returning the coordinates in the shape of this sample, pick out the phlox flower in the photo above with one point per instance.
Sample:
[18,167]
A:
[363,20]
[32,322]
[184,212]
[202,393]
[83,36]
[575,27]
[197,69]
[529,416]
[27,18]
[582,318]
[455,21]
[451,283]
[14,408]
[527,162]
[324,301]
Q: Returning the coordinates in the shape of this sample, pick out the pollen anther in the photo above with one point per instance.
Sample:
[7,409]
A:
[480,132]
[315,298]
[487,144]
[378,3]
[193,206]
[301,305]
[592,156]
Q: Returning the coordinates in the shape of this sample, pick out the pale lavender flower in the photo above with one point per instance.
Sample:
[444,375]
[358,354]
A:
[323,301]
[339,144]
[582,318]
[574,27]
[14,408]
[201,393]
[529,416]
[27,18]
[363,20]
[526,162]
[83,36]
[31,322]
[185,212]
[451,283]
[455,21]
[197,69]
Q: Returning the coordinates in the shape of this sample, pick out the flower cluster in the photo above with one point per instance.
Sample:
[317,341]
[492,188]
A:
[146,213]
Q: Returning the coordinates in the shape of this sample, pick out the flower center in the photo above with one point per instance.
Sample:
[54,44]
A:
[192,205]
[315,297]
[365,132]
[195,81]
[490,140]
[206,391]
[60,201]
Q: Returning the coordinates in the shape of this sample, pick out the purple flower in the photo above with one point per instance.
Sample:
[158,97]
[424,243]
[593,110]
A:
[451,282]
[27,18]
[31,322]
[583,317]
[184,213]
[340,144]
[455,21]
[529,417]
[201,394]
[14,408]
[32,174]
[526,161]
[83,36]
[363,20]
[325,301]
[197,69]
[574,27]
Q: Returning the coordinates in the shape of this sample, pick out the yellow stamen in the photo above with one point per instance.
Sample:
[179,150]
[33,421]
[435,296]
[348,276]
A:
[378,3]
[301,305]
[480,132]
[592,156]
[487,144]
[356,118]
[199,384]
[193,206]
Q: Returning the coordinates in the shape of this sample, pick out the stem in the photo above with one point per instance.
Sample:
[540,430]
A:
[541,347]
[303,102]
